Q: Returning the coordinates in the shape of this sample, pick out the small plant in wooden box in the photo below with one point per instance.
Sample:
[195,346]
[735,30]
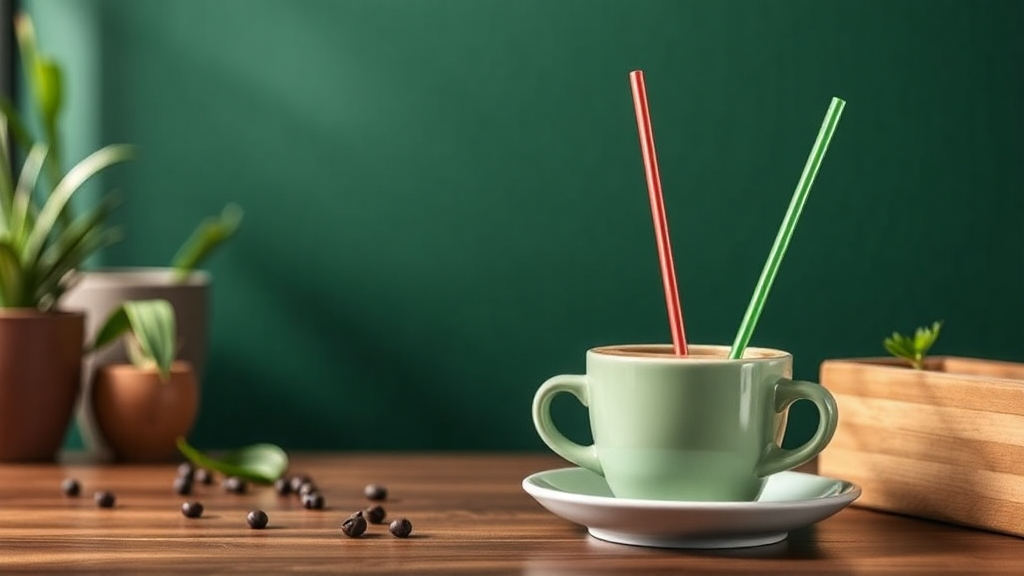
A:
[938,437]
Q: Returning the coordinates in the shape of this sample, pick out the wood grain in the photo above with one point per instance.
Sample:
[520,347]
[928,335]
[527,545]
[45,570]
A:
[945,443]
[470,516]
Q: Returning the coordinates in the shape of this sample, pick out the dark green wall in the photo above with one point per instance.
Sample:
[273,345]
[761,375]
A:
[445,202]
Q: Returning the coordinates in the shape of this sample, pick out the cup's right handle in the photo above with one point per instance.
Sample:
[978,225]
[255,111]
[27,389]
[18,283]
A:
[585,456]
[786,393]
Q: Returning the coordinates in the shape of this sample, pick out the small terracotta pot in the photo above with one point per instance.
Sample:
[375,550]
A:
[40,374]
[99,292]
[138,415]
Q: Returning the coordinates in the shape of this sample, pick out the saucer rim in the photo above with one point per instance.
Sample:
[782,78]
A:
[849,491]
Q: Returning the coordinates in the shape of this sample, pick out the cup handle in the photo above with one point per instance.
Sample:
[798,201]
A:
[585,456]
[786,393]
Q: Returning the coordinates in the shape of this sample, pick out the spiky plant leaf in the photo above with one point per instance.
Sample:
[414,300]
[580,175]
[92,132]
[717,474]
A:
[63,248]
[71,183]
[21,211]
[14,124]
[6,179]
[44,74]
[211,233]
[58,275]
[11,277]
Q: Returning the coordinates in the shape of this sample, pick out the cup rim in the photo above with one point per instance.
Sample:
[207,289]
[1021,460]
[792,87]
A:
[716,353]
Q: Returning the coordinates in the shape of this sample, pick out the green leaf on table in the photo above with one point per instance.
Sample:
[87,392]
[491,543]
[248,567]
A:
[263,463]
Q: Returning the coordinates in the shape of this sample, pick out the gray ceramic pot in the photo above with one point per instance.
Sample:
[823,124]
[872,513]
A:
[99,292]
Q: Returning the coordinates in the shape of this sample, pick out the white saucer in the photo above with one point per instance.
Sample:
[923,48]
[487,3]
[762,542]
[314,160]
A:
[790,500]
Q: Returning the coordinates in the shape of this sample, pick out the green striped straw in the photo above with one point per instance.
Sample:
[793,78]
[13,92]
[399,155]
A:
[796,206]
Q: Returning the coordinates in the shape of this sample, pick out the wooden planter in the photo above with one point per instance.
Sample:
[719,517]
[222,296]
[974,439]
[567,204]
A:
[944,443]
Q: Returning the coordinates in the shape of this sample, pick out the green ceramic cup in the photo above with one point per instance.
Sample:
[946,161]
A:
[699,427]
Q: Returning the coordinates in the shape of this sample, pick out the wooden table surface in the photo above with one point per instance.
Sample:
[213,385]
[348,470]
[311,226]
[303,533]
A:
[469,514]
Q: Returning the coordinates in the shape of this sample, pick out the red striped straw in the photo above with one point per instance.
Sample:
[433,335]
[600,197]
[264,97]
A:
[668,271]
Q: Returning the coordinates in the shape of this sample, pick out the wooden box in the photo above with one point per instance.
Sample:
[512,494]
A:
[944,443]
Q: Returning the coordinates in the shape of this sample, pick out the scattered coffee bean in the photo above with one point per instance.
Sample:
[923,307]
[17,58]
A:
[192,509]
[375,514]
[204,476]
[354,525]
[313,501]
[187,470]
[298,480]
[182,486]
[282,487]
[306,488]
[257,519]
[401,528]
[375,492]
[70,487]
[105,499]
[235,485]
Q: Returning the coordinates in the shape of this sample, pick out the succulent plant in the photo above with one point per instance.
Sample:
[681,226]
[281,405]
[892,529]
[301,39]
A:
[914,348]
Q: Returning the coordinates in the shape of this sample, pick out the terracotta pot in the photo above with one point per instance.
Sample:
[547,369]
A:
[138,415]
[40,374]
[99,292]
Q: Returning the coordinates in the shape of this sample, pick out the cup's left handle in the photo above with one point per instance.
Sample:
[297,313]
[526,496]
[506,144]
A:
[585,456]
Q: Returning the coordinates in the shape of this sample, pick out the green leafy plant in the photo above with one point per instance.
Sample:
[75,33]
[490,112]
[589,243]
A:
[913,348]
[263,463]
[211,233]
[37,252]
[44,79]
[151,342]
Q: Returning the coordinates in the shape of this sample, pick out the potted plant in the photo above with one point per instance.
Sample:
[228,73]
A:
[142,407]
[41,344]
[936,437]
[98,292]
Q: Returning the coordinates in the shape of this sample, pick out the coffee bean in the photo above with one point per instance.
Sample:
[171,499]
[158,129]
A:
[282,487]
[306,488]
[192,509]
[401,528]
[182,486]
[375,514]
[204,476]
[375,492]
[313,501]
[105,499]
[257,519]
[354,525]
[70,487]
[298,480]
[235,485]
[186,470]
